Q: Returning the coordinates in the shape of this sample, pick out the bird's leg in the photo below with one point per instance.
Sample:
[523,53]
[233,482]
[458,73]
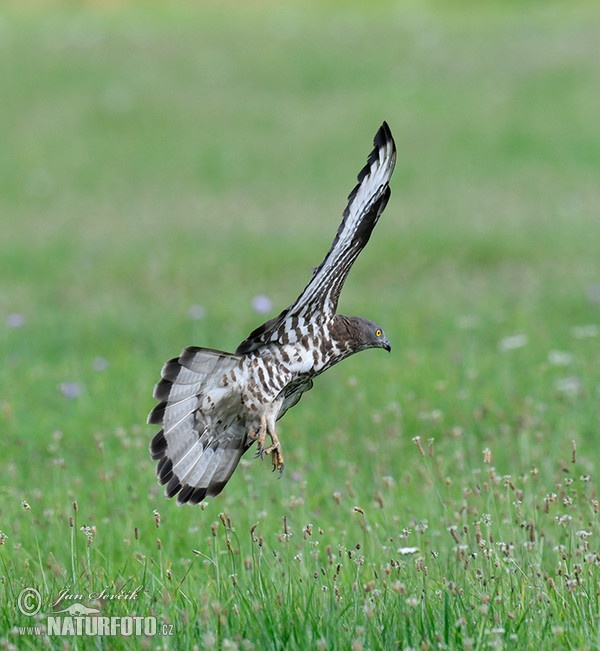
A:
[267,426]
[275,450]
[259,436]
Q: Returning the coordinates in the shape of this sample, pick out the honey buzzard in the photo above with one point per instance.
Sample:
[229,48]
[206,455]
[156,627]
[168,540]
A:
[214,405]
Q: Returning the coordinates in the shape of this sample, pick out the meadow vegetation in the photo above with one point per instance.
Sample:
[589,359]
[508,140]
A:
[160,167]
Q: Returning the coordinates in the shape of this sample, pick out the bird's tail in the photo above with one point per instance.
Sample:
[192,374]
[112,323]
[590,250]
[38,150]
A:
[203,436]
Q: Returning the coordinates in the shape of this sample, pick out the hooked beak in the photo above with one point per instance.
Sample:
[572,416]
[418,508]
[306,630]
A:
[385,343]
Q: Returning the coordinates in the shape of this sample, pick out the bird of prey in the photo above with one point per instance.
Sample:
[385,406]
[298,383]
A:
[214,405]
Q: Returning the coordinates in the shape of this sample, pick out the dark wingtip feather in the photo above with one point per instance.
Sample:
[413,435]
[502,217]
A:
[162,390]
[155,417]
[383,135]
[190,495]
[382,138]
[158,446]
[186,494]
[164,470]
[173,487]
[188,355]
[197,496]
[171,369]
[216,487]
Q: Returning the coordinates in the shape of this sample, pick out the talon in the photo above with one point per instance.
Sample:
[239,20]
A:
[274,449]
[259,437]
[261,450]
[274,460]
[276,456]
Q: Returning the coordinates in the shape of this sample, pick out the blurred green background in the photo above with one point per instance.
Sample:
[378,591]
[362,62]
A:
[161,164]
[158,157]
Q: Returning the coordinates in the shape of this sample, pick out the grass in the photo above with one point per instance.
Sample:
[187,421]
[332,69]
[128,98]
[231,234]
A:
[155,159]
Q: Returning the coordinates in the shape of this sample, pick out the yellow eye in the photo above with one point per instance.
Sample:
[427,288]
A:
[378,332]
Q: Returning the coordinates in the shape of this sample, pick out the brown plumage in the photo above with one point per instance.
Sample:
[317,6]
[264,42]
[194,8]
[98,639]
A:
[214,405]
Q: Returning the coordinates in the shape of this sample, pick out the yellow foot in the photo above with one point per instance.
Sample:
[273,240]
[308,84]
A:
[259,437]
[276,455]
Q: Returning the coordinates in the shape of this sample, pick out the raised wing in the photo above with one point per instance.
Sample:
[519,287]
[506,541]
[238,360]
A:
[366,202]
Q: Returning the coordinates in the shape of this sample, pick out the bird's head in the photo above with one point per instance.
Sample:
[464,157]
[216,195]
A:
[374,336]
[363,334]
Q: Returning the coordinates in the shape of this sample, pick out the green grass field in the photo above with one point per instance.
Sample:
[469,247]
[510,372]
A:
[159,168]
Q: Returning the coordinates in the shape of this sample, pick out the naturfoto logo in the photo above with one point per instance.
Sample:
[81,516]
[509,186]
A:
[77,619]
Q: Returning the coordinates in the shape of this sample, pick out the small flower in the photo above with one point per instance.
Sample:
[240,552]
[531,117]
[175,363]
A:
[197,312]
[559,358]
[592,292]
[585,331]
[570,386]
[71,389]
[15,320]
[421,527]
[388,481]
[262,304]
[404,551]
[467,322]
[89,532]
[100,364]
[512,342]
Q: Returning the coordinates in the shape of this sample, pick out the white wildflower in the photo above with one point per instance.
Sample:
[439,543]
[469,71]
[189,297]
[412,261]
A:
[512,342]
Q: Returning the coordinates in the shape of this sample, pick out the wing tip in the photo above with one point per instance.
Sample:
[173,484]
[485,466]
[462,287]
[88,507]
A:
[383,152]
[383,135]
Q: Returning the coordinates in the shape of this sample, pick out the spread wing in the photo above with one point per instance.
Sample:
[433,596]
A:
[203,435]
[366,202]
